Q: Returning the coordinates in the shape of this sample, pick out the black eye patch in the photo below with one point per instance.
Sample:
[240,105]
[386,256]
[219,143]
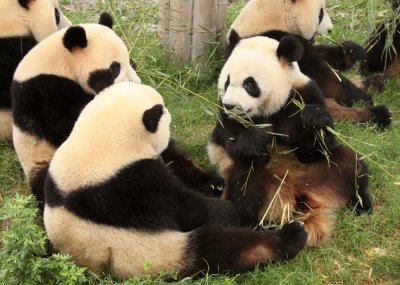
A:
[115,68]
[321,15]
[57,15]
[251,87]
[228,81]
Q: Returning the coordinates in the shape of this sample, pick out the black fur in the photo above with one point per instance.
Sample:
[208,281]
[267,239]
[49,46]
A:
[151,117]
[313,64]
[47,106]
[24,3]
[12,50]
[381,116]
[221,249]
[194,176]
[251,87]
[36,182]
[376,59]
[342,58]
[249,144]
[100,79]
[74,37]
[143,195]
[106,20]
[290,48]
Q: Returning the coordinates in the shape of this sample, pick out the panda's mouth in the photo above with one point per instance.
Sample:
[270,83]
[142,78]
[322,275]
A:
[235,110]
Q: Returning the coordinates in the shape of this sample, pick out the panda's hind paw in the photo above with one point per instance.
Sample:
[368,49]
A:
[294,236]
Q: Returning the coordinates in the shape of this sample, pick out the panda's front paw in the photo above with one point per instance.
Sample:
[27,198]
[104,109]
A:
[315,116]
[355,51]
[214,185]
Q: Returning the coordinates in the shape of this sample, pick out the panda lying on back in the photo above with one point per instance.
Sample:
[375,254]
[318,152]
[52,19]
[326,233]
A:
[23,24]
[306,19]
[112,204]
[272,132]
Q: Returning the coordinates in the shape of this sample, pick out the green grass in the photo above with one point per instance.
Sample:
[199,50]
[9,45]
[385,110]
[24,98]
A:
[365,249]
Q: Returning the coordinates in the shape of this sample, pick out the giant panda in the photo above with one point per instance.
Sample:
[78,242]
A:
[306,19]
[53,83]
[111,204]
[273,120]
[379,57]
[23,24]
[57,79]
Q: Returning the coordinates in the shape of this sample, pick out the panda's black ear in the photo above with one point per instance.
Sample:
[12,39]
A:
[290,49]
[24,3]
[234,38]
[152,116]
[75,37]
[106,20]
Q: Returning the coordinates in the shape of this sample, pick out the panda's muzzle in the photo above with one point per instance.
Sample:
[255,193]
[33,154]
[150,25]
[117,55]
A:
[228,107]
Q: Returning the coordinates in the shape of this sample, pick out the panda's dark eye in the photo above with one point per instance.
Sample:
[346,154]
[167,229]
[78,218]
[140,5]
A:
[132,63]
[250,85]
[321,15]
[228,81]
[57,15]
[115,68]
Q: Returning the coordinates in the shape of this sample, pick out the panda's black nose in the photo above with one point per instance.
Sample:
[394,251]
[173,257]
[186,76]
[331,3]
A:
[329,31]
[228,106]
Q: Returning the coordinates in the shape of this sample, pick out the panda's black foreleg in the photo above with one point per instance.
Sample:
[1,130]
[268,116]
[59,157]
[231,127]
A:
[245,188]
[342,57]
[352,94]
[191,174]
[216,249]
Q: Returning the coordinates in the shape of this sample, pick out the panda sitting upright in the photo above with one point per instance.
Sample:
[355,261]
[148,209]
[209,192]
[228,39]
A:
[273,135]
[306,19]
[112,204]
[23,24]
[56,80]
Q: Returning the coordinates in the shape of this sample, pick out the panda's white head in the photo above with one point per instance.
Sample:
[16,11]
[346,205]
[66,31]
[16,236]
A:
[302,17]
[124,123]
[125,118]
[90,54]
[39,18]
[259,75]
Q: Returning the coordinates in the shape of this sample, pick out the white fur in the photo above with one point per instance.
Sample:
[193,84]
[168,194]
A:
[301,18]
[51,57]
[109,135]
[39,20]
[31,150]
[256,57]
[124,251]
